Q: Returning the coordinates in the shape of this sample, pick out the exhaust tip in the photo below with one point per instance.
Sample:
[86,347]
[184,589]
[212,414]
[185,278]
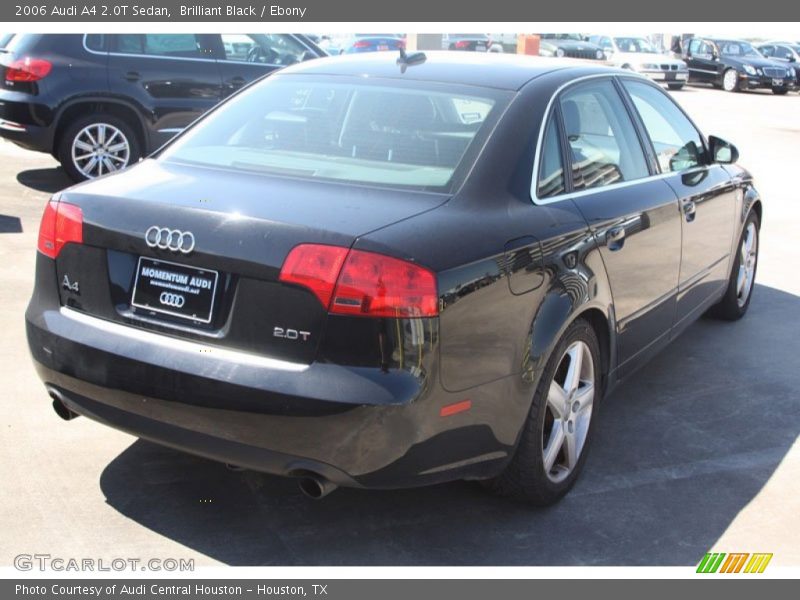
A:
[316,487]
[60,408]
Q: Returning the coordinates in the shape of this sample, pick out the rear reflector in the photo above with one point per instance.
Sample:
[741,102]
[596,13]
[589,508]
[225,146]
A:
[362,283]
[62,224]
[453,409]
[28,69]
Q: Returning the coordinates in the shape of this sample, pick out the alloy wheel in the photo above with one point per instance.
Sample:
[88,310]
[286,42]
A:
[569,411]
[730,80]
[100,148]
[748,254]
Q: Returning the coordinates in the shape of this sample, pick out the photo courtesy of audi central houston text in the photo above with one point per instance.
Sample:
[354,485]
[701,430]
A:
[378,269]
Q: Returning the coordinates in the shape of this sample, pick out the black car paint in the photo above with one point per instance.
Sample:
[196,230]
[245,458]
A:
[158,95]
[365,408]
[711,68]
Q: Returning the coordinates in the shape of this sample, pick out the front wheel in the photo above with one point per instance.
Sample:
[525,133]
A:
[556,434]
[737,296]
[95,145]
[780,91]
[675,86]
[730,81]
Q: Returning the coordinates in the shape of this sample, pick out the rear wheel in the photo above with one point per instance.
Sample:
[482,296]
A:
[730,80]
[737,296]
[558,429]
[95,145]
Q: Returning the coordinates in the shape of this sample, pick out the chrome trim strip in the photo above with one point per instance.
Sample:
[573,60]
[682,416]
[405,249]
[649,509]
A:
[172,130]
[704,71]
[211,355]
[11,125]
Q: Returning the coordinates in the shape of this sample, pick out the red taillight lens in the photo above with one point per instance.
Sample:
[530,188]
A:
[28,69]
[316,267]
[361,44]
[462,44]
[380,286]
[62,223]
[362,283]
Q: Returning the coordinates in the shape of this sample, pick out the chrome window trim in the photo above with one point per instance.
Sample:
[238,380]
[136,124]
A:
[214,60]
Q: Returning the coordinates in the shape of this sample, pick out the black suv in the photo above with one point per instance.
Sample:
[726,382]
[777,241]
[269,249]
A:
[98,102]
[735,65]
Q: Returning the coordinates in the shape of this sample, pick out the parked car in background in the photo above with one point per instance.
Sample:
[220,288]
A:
[572,45]
[638,54]
[470,42]
[4,39]
[372,42]
[786,52]
[98,103]
[363,273]
[735,65]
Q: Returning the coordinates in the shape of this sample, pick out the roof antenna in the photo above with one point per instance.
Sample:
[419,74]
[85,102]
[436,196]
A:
[409,60]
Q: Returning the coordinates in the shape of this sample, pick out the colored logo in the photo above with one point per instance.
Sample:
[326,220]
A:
[734,562]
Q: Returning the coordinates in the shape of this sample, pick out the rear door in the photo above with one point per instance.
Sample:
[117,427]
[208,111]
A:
[706,194]
[634,217]
[173,77]
[243,58]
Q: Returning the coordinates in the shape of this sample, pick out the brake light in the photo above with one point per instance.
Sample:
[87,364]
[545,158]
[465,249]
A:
[62,223]
[361,44]
[362,283]
[462,44]
[28,69]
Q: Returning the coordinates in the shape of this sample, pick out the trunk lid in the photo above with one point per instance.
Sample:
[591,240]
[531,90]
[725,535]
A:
[243,226]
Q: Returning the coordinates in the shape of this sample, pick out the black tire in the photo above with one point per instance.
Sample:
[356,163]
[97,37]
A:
[780,91]
[73,129]
[525,477]
[730,307]
[675,86]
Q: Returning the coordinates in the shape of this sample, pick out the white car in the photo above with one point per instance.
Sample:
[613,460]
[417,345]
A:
[637,54]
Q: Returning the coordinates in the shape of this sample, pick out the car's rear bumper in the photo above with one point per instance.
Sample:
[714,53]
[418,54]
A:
[25,123]
[353,426]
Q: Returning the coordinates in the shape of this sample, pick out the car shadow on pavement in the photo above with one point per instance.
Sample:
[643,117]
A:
[9,224]
[49,180]
[680,450]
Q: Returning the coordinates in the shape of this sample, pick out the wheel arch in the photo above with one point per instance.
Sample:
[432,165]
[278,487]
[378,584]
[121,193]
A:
[88,105]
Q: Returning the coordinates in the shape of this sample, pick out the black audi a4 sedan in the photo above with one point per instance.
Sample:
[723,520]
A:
[377,272]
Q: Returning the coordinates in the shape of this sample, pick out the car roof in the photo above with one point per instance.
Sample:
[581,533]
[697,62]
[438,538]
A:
[491,70]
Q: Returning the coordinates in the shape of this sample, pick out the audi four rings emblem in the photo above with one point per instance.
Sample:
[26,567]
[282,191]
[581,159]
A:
[170,299]
[169,239]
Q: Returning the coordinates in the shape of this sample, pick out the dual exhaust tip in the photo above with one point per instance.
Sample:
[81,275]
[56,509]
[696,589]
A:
[312,485]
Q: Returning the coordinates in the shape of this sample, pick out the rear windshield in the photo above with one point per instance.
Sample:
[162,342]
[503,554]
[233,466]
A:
[343,129]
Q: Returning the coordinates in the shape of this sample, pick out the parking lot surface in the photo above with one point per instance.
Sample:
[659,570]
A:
[698,450]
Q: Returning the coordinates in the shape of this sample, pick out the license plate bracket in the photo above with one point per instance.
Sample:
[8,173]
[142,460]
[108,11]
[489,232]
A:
[175,289]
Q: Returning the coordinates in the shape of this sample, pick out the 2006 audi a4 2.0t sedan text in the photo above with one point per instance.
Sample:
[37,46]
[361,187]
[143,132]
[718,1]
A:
[378,272]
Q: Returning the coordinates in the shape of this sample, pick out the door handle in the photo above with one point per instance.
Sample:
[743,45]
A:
[132,76]
[236,82]
[615,238]
[689,210]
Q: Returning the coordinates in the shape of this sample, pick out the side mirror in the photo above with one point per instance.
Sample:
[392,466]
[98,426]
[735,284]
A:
[722,151]
[714,55]
[791,59]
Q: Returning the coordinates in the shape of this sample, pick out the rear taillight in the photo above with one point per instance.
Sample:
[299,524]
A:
[362,283]
[361,44]
[28,69]
[62,223]
[462,44]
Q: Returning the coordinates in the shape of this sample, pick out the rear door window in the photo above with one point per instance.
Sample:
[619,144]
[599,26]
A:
[602,138]
[157,44]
